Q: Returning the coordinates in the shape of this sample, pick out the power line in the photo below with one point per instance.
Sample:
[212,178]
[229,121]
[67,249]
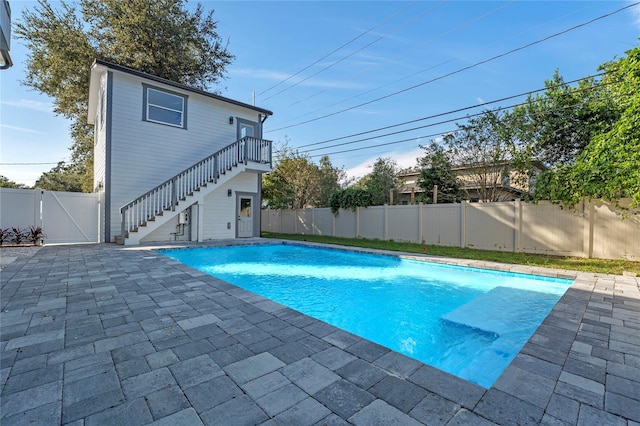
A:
[366,92]
[408,139]
[341,47]
[385,143]
[356,51]
[439,115]
[26,164]
[501,55]
[421,45]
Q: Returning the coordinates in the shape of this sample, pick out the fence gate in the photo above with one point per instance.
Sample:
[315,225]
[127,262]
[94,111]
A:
[66,217]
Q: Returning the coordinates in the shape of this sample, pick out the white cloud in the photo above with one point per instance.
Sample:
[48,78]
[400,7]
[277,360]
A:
[480,100]
[34,105]
[403,158]
[22,129]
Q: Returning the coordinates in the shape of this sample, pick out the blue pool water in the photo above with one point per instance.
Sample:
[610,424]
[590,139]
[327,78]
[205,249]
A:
[468,322]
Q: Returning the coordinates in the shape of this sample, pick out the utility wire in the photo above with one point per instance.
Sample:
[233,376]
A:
[419,46]
[356,51]
[414,137]
[385,143]
[26,164]
[341,47]
[501,55]
[443,114]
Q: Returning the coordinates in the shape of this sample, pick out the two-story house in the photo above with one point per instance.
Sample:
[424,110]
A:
[173,162]
[478,182]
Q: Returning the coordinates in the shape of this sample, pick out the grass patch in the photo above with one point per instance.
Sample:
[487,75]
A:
[574,263]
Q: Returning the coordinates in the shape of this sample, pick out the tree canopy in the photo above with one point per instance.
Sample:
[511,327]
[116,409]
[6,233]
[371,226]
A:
[609,166]
[436,169]
[63,177]
[381,181]
[5,182]
[489,150]
[561,121]
[296,182]
[160,37]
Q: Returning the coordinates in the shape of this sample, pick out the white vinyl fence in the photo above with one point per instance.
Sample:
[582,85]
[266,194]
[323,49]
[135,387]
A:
[590,230]
[65,217]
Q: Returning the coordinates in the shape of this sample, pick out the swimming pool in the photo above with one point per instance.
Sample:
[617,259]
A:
[468,322]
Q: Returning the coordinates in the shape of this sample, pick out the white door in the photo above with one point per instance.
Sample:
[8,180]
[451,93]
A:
[245,217]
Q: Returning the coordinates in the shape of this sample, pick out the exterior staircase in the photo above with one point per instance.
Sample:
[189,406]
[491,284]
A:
[156,207]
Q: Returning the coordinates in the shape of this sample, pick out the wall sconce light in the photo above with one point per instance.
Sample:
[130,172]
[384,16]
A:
[228,192]
[230,120]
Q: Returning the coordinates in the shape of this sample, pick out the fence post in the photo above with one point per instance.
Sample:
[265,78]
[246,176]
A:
[463,224]
[386,221]
[517,246]
[357,221]
[591,220]
[333,224]
[40,200]
[420,227]
[268,224]
[313,221]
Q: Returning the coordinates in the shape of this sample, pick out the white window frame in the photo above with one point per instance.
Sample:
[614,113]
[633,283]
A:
[147,105]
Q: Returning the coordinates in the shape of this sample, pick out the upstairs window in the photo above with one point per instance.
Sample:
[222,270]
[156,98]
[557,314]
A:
[161,106]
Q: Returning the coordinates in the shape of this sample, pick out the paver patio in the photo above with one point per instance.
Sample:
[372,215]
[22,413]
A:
[102,334]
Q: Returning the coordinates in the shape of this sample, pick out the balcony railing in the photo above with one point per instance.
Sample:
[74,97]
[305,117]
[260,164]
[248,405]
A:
[165,197]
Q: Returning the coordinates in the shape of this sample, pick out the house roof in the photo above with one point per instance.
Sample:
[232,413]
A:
[408,185]
[99,65]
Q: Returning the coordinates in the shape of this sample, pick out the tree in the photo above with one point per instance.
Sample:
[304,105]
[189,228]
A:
[294,183]
[63,177]
[436,169]
[382,181]
[608,168]
[160,37]
[562,120]
[350,198]
[488,148]
[5,182]
[330,181]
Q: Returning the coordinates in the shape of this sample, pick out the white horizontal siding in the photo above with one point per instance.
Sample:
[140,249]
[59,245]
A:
[145,154]
[220,209]
[169,232]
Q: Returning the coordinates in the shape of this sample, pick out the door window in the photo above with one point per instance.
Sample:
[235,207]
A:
[245,207]
[246,130]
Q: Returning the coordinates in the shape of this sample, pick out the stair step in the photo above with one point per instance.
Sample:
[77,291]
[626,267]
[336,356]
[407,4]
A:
[206,185]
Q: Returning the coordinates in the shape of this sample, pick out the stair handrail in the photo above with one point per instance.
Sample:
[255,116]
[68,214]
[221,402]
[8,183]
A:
[241,151]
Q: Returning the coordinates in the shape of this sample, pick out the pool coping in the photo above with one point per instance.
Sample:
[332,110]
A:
[581,365]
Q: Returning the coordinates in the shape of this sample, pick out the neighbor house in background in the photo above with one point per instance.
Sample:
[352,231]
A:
[5,35]
[174,162]
[478,182]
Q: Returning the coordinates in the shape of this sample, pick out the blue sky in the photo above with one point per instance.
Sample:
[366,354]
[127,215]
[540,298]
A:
[381,47]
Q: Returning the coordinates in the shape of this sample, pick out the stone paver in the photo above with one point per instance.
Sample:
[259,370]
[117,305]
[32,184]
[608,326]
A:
[98,334]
